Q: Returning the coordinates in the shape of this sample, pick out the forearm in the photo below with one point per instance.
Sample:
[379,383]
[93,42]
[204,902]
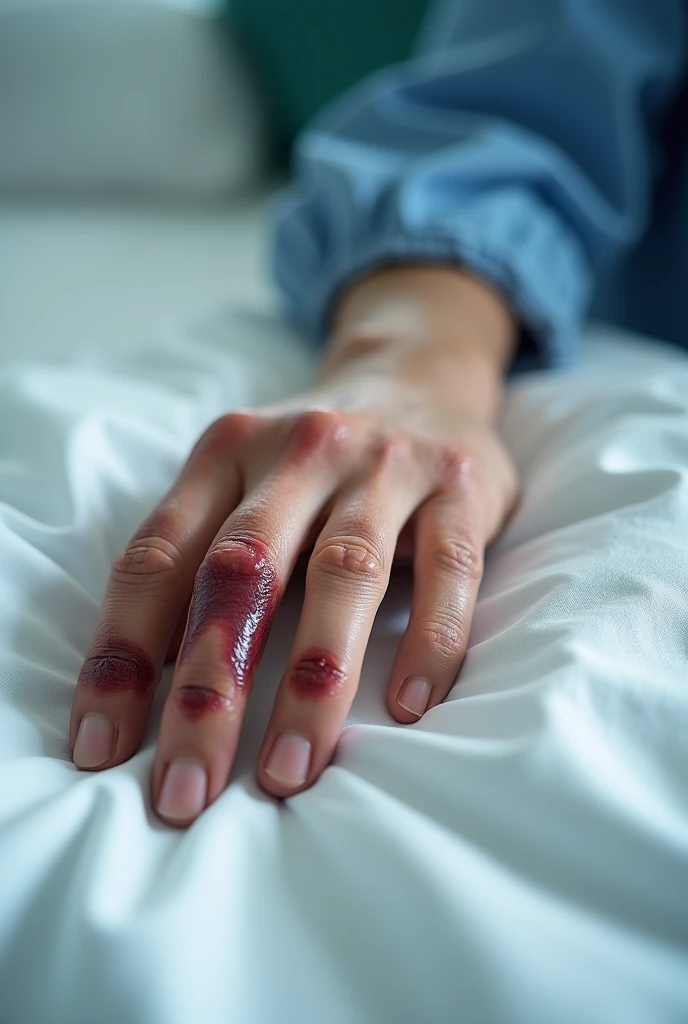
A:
[425,322]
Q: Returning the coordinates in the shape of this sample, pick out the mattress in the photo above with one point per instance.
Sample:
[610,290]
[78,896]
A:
[520,854]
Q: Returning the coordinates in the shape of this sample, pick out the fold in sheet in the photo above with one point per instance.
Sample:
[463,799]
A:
[518,855]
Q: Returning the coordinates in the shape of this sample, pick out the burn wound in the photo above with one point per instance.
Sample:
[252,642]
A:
[125,668]
[235,595]
[316,674]
[195,702]
[208,686]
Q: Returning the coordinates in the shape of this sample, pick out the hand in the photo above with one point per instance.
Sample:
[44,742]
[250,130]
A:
[387,454]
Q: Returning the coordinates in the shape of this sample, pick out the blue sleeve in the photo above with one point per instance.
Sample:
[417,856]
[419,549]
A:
[520,142]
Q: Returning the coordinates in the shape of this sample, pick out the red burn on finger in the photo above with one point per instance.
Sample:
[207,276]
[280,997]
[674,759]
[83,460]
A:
[195,702]
[125,668]
[237,591]
[316,674]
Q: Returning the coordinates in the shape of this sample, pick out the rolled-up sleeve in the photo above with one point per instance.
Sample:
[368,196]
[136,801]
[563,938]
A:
[520,143]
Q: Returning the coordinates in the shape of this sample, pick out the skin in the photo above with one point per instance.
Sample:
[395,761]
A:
[393,454]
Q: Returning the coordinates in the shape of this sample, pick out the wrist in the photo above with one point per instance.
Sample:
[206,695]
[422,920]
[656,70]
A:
[431,326]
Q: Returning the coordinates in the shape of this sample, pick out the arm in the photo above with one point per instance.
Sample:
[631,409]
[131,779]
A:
[522,152]
[414,321]
[393,452]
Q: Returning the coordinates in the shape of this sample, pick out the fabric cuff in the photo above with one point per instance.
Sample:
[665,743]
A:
[510,238]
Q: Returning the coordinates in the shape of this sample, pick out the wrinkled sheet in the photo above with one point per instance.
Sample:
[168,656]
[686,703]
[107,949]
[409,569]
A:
[518,855]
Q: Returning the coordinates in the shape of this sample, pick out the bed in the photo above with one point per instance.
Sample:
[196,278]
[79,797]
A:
[519,854]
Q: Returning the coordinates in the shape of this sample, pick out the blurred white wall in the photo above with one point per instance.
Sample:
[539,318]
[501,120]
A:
[133,179]
[125,97]
[110,277]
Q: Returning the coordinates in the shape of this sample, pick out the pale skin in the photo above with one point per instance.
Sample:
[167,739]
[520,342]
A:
[392,454]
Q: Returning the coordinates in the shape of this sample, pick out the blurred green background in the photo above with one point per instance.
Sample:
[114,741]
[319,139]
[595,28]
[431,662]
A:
[307,52]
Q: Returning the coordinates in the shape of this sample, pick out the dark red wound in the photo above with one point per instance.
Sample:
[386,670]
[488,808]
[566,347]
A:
[237,591]
[124,667]
[195,702]
[316,674]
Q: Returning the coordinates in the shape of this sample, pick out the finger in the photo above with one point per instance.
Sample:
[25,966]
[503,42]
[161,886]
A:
[236,592]
[346,580]
[148,587]
[448,568]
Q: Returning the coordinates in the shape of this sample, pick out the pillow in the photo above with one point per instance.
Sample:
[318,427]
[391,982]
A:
[124,97]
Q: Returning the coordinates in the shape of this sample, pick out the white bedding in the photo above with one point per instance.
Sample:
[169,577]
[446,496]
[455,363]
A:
[518,855]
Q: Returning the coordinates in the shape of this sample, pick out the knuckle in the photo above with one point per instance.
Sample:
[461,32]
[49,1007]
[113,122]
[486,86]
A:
[115,665]
[194,702]
[444,635]
[456,466]
[316,674]
[457,556]
[228,431]
[147,559]
[391,449]
[317,431]
[248,546]
[352,560]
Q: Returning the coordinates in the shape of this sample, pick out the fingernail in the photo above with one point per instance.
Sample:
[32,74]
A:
[95,741]
[184,790]
[414,695]
[289,759]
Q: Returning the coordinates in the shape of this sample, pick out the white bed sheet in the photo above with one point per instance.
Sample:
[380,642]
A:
[518,855]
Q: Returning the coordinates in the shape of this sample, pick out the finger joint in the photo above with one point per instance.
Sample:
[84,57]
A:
[118,665]
[147,559]
[197,702]
[457,557]
[444,635]
[317,432]
[350,560]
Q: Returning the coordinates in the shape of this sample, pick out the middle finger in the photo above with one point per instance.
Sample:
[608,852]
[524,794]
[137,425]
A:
[236,593]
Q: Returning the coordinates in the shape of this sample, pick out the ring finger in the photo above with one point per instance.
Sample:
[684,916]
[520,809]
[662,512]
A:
[347,578]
